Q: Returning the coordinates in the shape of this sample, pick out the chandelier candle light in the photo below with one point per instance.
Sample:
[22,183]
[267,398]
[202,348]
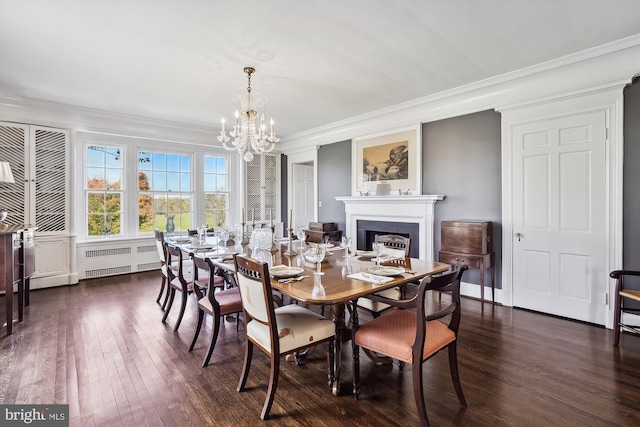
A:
[246,136]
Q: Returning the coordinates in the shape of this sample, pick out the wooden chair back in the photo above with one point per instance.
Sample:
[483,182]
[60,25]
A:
[159,235]
[394,241]
[255,290]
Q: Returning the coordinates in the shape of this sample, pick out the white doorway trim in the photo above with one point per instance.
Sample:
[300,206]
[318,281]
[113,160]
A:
[611,101]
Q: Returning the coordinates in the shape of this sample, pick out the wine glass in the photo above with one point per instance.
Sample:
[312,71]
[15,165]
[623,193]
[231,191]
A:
[316,254]
[346,243]
[301,237]
[202,229]
[224,236]
[378,248]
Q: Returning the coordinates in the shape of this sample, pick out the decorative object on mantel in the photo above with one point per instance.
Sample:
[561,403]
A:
[391,158]
[5,176]
[245,134]
[383,189]
[404,193]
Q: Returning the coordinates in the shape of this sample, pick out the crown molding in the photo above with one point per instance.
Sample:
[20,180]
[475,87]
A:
[82,119]
[605,66]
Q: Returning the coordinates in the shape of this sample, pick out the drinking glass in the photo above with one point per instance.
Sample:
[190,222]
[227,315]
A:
[301,237]
[316,254]
[346,268]
[202,229]
[346,244]
[224,236]
[378,248]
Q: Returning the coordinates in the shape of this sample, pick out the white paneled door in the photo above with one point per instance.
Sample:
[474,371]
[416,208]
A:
[303,196]
[559,216]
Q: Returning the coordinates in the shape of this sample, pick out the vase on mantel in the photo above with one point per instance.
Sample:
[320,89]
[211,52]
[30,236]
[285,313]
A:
[170,225]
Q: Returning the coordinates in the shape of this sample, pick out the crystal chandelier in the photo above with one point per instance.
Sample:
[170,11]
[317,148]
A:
[246,135]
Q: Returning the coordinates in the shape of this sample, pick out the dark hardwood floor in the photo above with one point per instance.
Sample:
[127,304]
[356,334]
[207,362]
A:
[100,347]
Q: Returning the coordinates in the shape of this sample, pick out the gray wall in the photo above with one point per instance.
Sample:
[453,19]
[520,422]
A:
[334,176]
[461,159]
[631,184]
[631,173]
[284,203]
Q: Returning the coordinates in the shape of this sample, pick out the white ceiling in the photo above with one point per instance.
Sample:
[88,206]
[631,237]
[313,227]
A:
[317,61]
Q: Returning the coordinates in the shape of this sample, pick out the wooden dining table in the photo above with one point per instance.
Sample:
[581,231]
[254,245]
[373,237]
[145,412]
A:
[339,289]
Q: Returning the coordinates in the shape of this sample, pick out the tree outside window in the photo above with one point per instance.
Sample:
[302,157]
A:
[164,191]
[103,187]
[216,191]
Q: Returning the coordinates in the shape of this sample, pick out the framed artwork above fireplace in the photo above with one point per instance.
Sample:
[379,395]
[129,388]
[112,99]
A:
[393,158]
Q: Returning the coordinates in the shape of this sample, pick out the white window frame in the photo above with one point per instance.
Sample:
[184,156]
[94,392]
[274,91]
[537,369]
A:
[122,191]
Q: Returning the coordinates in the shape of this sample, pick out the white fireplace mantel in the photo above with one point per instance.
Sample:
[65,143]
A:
[408,209]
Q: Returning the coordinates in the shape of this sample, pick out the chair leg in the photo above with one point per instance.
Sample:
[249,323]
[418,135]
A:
[273,384]
[183,307]
[355,350]
[195,335]
[214,339]
[171,294]
[248,352]
[617,312]
[331,361]
[164,280]
[166,296]
[418,392]
[453,367]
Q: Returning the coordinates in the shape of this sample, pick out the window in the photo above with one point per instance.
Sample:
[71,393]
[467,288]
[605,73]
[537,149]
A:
[216,191]
[104,189]
[164,191]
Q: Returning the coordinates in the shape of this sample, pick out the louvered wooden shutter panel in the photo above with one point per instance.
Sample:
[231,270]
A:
[253,187]
[12,150]
[270,181]
[50,184]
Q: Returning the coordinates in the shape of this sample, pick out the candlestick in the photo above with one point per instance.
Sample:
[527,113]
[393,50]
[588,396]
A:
[242,215]
[291,218]
[253,216]
[290,250]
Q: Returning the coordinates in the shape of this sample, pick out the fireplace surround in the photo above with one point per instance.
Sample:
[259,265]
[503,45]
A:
[394,209]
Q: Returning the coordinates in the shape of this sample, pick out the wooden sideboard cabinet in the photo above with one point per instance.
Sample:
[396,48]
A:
[469,243]
[17,265]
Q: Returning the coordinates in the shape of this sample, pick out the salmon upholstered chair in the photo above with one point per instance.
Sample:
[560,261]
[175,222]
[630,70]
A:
[413,335]
[276,331]
[624,298]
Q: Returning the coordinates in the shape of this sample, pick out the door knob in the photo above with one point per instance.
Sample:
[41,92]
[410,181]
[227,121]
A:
[519,235]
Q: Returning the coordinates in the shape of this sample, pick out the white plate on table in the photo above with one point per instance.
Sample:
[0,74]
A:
[366,254]
[180,241]
[285,272]
[225,256]
[201,247]
[385,270]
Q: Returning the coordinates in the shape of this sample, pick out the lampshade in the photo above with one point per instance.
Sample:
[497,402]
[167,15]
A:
[5,172]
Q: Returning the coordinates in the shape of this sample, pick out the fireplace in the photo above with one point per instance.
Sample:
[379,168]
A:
[367,231]
[395,212]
